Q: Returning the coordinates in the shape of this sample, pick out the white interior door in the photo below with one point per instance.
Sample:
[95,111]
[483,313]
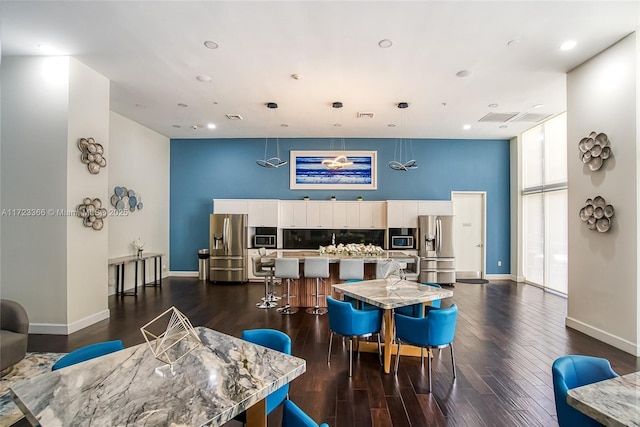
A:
[469,226]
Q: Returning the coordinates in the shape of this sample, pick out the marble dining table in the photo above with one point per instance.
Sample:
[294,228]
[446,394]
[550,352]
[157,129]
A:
[219,378]
[388,295]
[612,402]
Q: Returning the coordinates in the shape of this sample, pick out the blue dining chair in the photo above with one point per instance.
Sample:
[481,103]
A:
[436,330]
[292,416]
[275,340]
[575,371]
[347,321]
[416,310]
[88,352]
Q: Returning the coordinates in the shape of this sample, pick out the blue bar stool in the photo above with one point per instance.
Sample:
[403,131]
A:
[316,268]
[287,268]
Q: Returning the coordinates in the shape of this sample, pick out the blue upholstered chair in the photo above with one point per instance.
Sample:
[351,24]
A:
[349,322]
[275,340]
[292,416]
[436,330]
[574,371]
[415,310]
[88,352]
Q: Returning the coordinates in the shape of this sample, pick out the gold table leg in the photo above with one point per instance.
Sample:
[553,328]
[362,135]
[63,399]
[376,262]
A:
[257,414]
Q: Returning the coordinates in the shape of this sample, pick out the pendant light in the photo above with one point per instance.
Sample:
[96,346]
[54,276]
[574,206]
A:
[339,161]
[403,151]
[272,162]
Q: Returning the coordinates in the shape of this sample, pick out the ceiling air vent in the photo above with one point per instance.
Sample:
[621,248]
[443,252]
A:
[498,117]
[362,115]
[234,116]
[532,117]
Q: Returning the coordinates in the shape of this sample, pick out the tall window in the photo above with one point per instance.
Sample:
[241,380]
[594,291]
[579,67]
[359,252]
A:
[544,197]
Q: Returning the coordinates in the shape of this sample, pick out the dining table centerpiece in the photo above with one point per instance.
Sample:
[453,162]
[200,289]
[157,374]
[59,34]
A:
[351,250]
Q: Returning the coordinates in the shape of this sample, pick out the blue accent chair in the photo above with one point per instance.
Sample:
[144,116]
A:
[436,330]
[575,371]
[292,416]
[275,340]
[349,322]
[88,352]
[415,310]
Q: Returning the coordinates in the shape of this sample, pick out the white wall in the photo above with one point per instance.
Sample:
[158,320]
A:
[603,275]
[139,160]
[34,176]
[87,249]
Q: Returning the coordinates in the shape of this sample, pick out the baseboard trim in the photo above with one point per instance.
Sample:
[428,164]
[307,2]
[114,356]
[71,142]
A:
[66,329]
[603,336]
[183,273]
[498,277]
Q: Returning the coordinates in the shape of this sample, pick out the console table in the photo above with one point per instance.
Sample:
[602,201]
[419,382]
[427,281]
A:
[120,262]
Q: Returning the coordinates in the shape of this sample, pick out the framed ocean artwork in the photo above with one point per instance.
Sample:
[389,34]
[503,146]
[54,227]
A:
[335,170]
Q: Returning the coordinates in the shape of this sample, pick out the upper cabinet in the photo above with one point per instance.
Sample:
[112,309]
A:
[263,213]
[230,206]
[319,214]
[346,215]
[372,214]
[402,214]
[293,214]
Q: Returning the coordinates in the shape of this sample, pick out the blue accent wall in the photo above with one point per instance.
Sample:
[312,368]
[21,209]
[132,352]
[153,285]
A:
[207,169]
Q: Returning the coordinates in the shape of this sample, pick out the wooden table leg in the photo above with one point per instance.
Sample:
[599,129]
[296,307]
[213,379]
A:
[257,414]
[388,339]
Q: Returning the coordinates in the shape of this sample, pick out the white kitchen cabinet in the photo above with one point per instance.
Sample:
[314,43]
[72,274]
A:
[346,215]
[435,207]
[293,214]
[372,215]
[263,213]
[401,213]
[230,206]
[319,214]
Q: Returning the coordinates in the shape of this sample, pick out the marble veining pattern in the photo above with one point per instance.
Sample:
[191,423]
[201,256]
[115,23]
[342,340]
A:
[378,293]
[613,402]
[209,386]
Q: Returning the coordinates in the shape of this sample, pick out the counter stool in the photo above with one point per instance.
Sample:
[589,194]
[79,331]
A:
[271,295]
[258,271]
[316,268]
[351,270]
[287,268]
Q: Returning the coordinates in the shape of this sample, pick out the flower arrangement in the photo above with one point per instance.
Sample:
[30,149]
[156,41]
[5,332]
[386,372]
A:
[351,249]
[138,245]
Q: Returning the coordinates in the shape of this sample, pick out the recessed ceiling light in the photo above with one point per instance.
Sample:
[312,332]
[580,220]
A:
[391,125]
[211,45]
[493,105]
[385,43]
[503,126]
[183,105]
[568,45]
[513,42]
[215,102]
[538,106]
[463,73]
[203,78]
[175,126]
[297,76]
[211,126]
[466,127]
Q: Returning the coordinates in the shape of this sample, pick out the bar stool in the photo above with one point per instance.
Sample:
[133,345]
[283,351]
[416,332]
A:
[271,295]
[258,271]
[287,268]
[316,268]
[351,270]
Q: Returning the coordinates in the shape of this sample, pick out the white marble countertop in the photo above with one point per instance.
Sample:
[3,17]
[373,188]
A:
[379,293]
[396,255]
[613,402]
[212,384]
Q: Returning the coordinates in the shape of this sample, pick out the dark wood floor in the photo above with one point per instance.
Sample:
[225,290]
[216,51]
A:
[506,340]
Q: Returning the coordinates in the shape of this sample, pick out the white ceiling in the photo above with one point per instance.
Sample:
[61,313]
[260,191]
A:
[152,52]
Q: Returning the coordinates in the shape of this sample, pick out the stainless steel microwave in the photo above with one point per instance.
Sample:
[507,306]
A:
[402,242]
[264,241]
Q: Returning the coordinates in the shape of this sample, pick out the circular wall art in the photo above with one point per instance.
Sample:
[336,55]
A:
[597,214]
[92,154]
[92,213]
[594,150]
[126,199]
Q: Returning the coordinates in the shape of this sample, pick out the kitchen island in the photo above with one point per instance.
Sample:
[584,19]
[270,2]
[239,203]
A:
[303,288]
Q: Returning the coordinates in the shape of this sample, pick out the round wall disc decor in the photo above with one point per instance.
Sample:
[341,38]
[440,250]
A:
[92,213]
[594,150]
[92,155]
[126,199]
[597,214]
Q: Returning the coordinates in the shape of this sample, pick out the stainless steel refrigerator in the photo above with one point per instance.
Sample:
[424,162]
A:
[228,248]
[437,260]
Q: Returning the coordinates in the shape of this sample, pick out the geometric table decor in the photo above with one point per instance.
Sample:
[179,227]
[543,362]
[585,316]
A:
[597,214]
[179,329]
[392,271]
